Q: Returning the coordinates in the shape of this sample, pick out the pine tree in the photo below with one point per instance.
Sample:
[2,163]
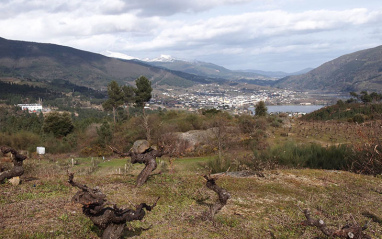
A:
[116,98]
[261,109]
[143,91]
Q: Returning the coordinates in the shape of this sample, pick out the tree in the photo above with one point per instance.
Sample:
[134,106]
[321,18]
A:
[128,96]
[116,97]
[143,91]
[365,97]
[58,124]
[104,134]
[142,95]
[375,96]
[261,109]
[355,99]
[220,133]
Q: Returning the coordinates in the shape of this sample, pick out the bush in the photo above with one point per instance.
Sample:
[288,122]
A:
[363,158]
[54,145]
[255,163]
[217,165]
[21,140]
[247,124]
[315,156]
[358,118]
[367,158]
[58,124]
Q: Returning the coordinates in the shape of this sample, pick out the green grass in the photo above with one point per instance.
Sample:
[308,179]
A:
[117,162]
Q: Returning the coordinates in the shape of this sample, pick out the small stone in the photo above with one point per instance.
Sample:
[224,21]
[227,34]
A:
[15,181]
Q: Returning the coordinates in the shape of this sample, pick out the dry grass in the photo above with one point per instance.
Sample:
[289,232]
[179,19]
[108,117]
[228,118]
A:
[328,132]
[41,206]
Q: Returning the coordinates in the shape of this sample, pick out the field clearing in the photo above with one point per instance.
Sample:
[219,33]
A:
[41,206]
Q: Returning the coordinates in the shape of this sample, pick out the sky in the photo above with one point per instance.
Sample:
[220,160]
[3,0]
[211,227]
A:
[269,35]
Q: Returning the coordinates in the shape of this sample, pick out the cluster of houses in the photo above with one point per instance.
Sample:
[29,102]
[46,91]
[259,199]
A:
[233,99]
[32,108]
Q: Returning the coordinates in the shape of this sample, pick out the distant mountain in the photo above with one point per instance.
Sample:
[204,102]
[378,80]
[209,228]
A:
[358,71]
[40,62]
[278,74]
[162,58]
[205,69]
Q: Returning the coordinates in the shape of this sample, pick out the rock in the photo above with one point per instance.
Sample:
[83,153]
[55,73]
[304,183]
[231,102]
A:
[140,146]
[15,181]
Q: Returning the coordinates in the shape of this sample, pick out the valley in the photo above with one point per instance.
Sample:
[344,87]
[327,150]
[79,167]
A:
[202,129]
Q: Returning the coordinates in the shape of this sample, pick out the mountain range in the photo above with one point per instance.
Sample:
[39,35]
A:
[358,71]
[208,70]
[40,62]
[47,62]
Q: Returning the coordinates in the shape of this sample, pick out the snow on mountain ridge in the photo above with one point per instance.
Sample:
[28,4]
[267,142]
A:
[119,55]
[162,58]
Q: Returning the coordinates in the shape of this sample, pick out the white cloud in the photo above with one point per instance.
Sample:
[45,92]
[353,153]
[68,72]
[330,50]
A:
[256,26]
[231,32]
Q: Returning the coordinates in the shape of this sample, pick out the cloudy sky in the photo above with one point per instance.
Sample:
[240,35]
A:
[285,35]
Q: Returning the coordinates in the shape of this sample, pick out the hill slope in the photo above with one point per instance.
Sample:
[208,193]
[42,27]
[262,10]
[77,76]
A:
[258,205]
[47,62]
[208,70]
[357,71]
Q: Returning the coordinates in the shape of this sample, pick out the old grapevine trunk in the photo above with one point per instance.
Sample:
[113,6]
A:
[17,169]
[347,231]
[111,220]
[223,196]
[148,157]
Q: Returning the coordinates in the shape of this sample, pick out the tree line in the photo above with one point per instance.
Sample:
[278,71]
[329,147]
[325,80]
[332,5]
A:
[127,95]
[358,108]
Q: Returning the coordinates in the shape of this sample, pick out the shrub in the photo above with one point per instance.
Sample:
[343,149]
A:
[316,156]
[367,158]
[247,124]
[256,163]
[105,134]
[194,120]
[21,140]
[218,165]
[54,145]
[58,124]
[358,118]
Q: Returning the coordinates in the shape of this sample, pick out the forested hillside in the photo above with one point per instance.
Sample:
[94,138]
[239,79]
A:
[48,62]
[358,71]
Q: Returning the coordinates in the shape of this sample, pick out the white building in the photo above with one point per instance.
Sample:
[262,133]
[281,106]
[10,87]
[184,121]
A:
[31,107]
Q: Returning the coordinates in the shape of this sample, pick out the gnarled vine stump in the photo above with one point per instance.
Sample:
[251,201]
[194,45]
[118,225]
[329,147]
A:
[17,169]
[147,157]
[111,220]
[347,231]
[223,196]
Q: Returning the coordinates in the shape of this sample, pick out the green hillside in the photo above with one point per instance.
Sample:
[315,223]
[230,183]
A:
[48,62]
[208,70]
[358,71]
